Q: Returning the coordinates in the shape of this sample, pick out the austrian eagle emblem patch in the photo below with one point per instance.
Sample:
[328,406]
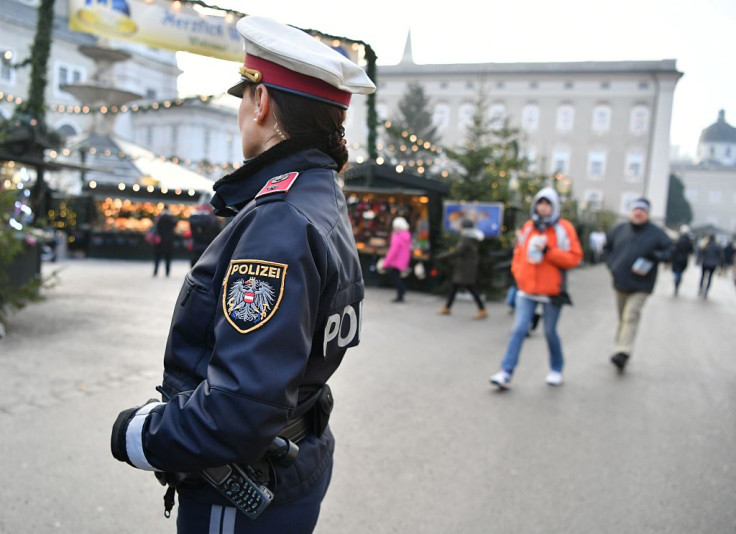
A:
[252,292]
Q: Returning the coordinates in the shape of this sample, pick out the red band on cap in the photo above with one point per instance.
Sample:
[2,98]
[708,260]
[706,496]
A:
[279,76]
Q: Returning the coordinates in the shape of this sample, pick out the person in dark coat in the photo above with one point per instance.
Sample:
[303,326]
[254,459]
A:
[163,247]
[710,258]
[681,251]
[465,271]
[633,250]
[728,254]
[204,227]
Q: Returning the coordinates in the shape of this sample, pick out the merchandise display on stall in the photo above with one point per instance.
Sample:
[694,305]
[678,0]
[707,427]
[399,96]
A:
[371,215]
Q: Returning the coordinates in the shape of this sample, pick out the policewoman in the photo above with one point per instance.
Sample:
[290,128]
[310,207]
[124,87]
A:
[266,315]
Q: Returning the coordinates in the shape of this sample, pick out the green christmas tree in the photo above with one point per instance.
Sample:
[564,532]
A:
[410,137]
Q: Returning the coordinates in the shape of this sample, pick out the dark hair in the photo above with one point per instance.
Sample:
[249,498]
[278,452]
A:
[311,119]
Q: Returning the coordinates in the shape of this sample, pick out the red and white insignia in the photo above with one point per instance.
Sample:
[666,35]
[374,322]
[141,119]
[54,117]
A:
[278,184]
[252,292]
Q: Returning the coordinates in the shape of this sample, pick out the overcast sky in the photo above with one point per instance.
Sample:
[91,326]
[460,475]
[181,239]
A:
[700,35]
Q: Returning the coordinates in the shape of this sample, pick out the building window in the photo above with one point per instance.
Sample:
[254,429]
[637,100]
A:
[497,116]
[530,117]
[596,164]
[149,136]
[691,194]
[634,169]
[643,85]
[639,119]
[175,139]
[560,161]
[531,158]
[67,75]
[465,115]
[7,73]
[605,85]
[565,118]
[593,199]
[469,85]
[207,142]
[151,94]
[441,116]
[443,85]
[67,130]
[500,85]
[569,85]
[714,197]
[533,85]
[601,118]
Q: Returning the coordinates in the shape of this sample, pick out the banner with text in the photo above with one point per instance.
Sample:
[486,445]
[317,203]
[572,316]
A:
[159,26]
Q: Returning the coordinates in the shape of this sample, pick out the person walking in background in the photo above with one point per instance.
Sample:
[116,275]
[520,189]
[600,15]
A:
[465,271]
[546,248]
[681,251]
[597,241]
[163,247]
[728,254]
[204,227]
[710,258]
[398,257]
[633,250]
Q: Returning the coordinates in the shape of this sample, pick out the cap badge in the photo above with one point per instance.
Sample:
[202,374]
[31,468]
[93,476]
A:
[252,292]
[278,184]
[253,75]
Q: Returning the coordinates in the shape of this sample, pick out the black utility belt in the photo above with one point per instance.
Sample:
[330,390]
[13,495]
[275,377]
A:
[314,421]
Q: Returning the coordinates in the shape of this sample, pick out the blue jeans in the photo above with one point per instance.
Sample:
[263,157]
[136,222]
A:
[524,311]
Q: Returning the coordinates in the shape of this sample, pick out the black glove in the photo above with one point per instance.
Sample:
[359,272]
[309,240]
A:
[120,428]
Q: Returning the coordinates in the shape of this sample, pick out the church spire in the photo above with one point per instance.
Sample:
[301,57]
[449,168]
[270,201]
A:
[407,57]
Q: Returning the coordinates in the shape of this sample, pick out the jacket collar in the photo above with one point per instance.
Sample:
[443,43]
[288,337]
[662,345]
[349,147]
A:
[238,188]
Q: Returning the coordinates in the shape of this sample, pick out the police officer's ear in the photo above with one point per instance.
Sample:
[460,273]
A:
[262,102]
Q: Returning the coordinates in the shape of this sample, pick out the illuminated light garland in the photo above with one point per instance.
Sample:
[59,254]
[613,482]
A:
[114,110]
[416,142]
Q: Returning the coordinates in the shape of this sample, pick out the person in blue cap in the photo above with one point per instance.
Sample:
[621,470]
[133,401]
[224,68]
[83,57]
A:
[633,251]
[267,313]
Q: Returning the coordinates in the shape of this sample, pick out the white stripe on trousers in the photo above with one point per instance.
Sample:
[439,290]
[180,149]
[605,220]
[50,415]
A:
[222,520]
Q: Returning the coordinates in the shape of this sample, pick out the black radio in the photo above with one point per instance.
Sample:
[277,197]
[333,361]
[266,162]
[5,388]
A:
[240,488]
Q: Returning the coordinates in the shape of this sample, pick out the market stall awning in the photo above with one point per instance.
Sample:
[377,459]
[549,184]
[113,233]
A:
[117,162]
[163,173]
[372,176]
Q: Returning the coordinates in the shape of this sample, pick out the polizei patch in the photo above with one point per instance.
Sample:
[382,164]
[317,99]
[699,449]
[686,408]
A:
[252,292]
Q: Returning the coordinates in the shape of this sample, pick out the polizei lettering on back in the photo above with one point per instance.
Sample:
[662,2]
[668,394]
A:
[342,329]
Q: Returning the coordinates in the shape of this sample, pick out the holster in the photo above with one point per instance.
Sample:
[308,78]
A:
[314,420]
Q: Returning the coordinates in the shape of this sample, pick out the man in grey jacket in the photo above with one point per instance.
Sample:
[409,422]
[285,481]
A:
[633,250]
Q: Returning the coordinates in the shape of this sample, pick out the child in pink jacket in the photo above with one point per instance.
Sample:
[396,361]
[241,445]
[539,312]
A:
[398,256]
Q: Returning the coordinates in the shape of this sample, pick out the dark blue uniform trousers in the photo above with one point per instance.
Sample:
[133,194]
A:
[298,516]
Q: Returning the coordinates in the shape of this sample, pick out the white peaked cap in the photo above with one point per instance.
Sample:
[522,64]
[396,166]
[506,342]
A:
[287,58]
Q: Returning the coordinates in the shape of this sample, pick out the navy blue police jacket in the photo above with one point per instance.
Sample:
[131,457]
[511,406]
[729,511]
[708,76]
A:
[263,319]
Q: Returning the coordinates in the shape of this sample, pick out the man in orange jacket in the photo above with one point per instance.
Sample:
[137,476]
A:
[547,246]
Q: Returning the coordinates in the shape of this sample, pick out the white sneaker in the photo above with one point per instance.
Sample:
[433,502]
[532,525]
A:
[501,379]
[554,378]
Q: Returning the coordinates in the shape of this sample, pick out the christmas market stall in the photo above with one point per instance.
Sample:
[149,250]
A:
[123,201]
[376,194]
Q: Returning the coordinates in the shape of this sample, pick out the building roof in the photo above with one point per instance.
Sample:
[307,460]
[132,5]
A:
[550,68]
[719,132]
